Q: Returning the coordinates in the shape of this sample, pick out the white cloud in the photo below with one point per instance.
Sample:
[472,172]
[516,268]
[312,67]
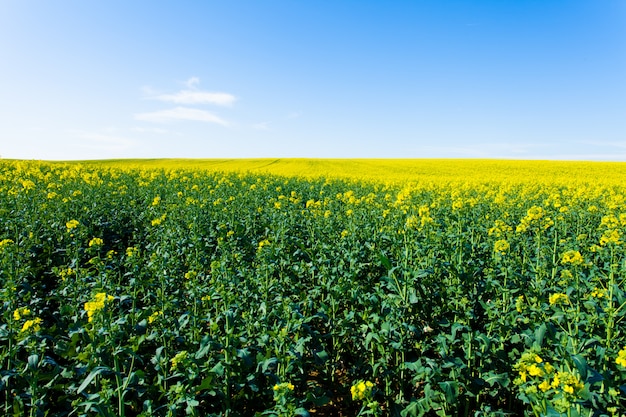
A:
[191,82]
[261,126]
[180,113]
[156,130]
[198,97]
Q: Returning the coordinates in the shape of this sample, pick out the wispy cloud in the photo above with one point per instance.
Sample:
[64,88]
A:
[261,126]
[156,130]
[192,95]
[180,113]
[191,82]
[198,97]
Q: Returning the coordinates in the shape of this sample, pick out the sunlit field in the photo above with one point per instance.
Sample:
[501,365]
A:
[312,287]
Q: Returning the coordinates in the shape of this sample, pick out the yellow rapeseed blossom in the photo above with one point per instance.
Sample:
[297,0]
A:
[178,358]
[131,251]
[96,304]
[599,293]
[21,312]
[96,241]
[72,224]
[263,244]
[158,220]
[5,242]
[572,257]
[611,236]
[558,298]
[621,357]
[501,246]
[544,386]
[154,316]
[283,386]
[32,325]
[361,390]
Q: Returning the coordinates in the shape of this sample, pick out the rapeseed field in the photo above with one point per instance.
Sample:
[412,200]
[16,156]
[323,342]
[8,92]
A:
[312,287]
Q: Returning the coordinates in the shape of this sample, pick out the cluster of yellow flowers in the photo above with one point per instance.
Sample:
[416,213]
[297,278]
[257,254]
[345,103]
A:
[96,241]
[572,257]
[154,316]
[611,224]
[284,386]
[72,224]
[621,357]
[178,358]
[535,216]
[599,293]
[21,312]
[501,246]
[32,325]
[159,220]
[132,251]
[541,378]
[361,390]
[558,298]
[96,304]
[5,242]
[263,244]
[500,228]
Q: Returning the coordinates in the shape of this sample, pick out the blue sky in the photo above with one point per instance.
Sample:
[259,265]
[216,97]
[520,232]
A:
[524,79]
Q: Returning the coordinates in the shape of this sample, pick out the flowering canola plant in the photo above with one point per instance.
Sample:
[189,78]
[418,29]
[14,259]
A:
[415,287]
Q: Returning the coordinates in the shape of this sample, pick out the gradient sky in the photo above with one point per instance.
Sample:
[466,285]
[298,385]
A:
[524,79]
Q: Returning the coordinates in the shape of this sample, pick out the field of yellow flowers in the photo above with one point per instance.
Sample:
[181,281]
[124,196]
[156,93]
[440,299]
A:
[312,287]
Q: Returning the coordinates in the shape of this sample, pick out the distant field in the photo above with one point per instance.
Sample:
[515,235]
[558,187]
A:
[397,170]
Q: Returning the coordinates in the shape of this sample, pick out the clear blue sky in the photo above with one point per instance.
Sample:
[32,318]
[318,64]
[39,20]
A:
[525,79]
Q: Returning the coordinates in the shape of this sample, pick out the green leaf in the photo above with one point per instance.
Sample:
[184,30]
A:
[451,390]
[94,373]
[581,365]
[540,334]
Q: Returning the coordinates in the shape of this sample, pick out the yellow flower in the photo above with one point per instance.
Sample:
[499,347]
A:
[284,386]
[361,389]
[534,370]
[33,325]
[131,251]
[159,220]
[598,293]
[97,304]
[5,242]
[152,318]
[501,246]
[96,241]
[572,257]
[621,357]
[544,386]
[263,244]
[611,236]
[558,298]
[178,358]
[72,224]
[21,312]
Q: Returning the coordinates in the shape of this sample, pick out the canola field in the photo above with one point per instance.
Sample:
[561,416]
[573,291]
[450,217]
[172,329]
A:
[312,287]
